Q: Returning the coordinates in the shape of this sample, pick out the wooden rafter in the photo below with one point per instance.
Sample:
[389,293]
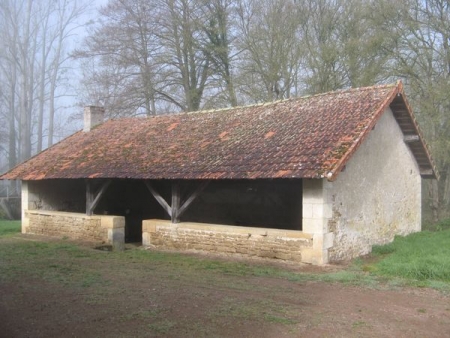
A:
[176,209]
[192,197]
[411,138]
[159,198]
[427,173]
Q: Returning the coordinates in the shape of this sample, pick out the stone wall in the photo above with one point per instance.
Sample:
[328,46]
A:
[377,196]
[56,195]
[316,212]
[271,243]
[95,228]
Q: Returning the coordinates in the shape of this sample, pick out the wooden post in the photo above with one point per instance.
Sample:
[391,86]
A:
[92,198]
[89,197]
[176,209]
[175,202]
[4,205]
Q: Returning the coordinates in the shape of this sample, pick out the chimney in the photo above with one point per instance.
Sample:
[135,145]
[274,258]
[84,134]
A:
[93,116]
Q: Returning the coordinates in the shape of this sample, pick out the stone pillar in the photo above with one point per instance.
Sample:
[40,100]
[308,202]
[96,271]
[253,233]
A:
[148,228]
[25,206]
[116,231]
[317,210]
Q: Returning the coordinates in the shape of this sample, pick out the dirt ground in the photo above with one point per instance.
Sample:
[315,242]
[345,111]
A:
[135,298]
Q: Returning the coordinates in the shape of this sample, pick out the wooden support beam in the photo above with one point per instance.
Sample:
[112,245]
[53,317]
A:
[100,193]
[89,197]
[191,198]
[411,138]
[92,198]
[176,209]
[159,198]
[5,206]
[427,172]
[175,202]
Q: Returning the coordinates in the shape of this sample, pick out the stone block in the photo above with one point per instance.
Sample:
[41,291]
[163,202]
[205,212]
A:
[318,242]
[283,256]
[307,210]
[112,222]
[312,191]
[266,254]
[118,239]
[148,226]
[314,225]
[317,211]
[328,240]
[25,224]
[314,256]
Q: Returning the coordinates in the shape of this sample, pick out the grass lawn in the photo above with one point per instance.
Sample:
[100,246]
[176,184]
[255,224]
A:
[420,259]
[144,293]
[9,227]
[423,257]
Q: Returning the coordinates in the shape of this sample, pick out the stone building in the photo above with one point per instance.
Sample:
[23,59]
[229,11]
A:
[313,179]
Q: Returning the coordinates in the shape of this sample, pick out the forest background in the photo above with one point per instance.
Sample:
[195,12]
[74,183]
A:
[149,57]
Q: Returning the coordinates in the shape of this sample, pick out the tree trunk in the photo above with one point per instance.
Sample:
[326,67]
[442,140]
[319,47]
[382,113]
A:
[41,98]
[12,155]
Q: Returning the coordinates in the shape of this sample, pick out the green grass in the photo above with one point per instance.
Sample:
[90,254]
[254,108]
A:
[257,309]
[52,262]
[62,262]
[162,327]
[234,286]
[422,258]
[9,227]
[439,226]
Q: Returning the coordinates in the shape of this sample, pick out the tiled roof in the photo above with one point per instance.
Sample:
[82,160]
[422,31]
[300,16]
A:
[308,137]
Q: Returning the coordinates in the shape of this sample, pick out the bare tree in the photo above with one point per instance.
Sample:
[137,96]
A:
[34,34]
[120,69]
[269,37]
[187,66]
[148,54]
[422,56]
[157,55]
[219,45]
[345,44]
[9,71]
[66,17]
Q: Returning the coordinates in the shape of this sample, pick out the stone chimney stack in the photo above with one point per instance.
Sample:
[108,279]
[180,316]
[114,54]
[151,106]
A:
[93,116]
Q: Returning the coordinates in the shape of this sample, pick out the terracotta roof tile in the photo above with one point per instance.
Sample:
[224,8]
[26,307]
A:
[306,137]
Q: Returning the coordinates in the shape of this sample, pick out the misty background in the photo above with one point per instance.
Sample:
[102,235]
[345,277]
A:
[149,57]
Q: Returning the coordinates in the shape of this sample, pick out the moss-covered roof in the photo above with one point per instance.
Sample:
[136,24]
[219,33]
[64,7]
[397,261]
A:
[308,137]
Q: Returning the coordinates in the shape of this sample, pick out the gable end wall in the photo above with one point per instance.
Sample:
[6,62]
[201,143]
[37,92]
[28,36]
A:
[377,196]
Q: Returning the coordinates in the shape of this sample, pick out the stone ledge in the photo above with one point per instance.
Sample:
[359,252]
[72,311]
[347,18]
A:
[153,225]
[97,228]
[250,241]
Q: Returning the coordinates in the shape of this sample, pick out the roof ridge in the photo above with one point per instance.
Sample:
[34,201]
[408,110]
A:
[296,142]
[356,89]
[269,103]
